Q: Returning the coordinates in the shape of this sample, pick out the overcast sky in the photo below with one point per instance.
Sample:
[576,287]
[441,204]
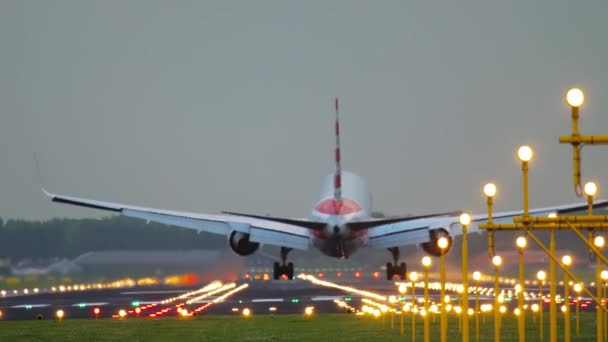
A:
[227,105]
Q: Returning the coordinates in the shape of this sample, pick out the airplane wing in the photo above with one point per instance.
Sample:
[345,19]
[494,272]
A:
[259,230]
[417,231]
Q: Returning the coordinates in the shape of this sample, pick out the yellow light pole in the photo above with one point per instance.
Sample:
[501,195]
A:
[402,290]
[525,153]
[567,261]
[541,276]
[490,191]
[521,243]
[426,263]
[534,308]
[443,243]
[476,277]
[496,261]
[413,278]
[575,99]
[392,300]
[578,288]
[604,276]
[465,220]
[591,190]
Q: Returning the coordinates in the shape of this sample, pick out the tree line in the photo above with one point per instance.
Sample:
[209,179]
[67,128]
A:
[71,237]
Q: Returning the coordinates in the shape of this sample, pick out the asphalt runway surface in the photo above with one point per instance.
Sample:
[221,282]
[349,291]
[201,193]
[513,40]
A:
[261,297]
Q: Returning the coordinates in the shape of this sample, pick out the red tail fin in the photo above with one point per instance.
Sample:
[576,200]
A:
[338,174]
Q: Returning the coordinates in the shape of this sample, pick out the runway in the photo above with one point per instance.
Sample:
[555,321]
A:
[216,298]
[261,297]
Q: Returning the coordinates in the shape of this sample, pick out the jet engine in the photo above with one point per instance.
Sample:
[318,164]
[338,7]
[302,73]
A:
[431,246]
[240,244]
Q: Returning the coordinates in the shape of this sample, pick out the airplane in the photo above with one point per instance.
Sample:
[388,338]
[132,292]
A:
[339,224]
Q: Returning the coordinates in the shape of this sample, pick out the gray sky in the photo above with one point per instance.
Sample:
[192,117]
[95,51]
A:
[227,105]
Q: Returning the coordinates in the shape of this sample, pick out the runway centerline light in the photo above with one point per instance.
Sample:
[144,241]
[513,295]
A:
[575,97]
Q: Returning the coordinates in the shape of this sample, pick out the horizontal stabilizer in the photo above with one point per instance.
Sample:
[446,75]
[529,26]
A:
[300,223]
[371,224]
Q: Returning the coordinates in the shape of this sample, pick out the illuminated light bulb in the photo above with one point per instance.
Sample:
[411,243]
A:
[575,97]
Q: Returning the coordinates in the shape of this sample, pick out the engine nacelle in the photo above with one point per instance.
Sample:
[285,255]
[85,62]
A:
[240,244]
[431,246]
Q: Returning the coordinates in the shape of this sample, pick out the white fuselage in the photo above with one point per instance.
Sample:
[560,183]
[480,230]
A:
[337,240]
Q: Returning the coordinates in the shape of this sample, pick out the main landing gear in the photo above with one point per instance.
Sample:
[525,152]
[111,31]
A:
[393,270]
[283,269]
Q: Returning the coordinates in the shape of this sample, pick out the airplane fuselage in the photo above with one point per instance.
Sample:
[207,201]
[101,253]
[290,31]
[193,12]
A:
[337,240]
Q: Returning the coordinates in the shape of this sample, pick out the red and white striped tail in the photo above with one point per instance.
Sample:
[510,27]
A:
[338,175]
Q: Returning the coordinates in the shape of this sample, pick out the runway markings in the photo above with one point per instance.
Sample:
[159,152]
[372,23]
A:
[29,306]
[267,300]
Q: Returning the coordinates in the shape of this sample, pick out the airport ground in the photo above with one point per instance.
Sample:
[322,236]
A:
[277,313]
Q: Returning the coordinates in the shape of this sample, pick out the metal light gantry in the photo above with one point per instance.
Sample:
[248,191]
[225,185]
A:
[529,224]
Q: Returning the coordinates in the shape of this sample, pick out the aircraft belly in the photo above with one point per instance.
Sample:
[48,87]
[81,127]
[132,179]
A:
[338,247]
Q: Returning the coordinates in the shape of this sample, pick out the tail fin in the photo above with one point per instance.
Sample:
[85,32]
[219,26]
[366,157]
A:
[338,174]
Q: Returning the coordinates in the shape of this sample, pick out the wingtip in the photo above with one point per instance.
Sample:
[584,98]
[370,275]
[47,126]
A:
[47,193]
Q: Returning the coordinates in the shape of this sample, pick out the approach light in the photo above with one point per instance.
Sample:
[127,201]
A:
[599,241]
[465,219]
[604,275]
[413,276]
[590,189]
[96,311]
[489,189]
[443,242]
[246,312]
[476,275]
[402,287]
[524,153]
[59,314]
[122,313]
[578,287]
[496,260]
[575,97]
[541,275]
[521,242]
[535,307]
[552,215]
[567,260]
[309,310]
[426,261]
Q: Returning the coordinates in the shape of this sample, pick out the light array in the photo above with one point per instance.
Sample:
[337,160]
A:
[325,283]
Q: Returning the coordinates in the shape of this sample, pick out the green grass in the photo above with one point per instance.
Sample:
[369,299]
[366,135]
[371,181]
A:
[322,327]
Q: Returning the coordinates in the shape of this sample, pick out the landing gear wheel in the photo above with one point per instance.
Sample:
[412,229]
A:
[277,271]
[389,271]
[283,268]
[290,270]
[403,271]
